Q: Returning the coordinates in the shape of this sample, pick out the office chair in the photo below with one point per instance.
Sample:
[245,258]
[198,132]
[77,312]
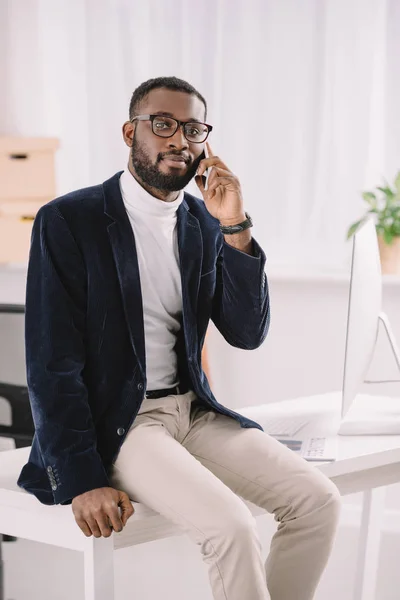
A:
[13,388]
[12,375]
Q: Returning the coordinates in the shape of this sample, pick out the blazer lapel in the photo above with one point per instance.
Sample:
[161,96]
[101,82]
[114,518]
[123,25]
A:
[123,247]
[190,244]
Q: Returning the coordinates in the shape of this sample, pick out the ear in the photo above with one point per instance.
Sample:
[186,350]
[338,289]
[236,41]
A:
[128,131]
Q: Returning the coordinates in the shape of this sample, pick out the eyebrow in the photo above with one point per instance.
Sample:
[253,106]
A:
[168,114]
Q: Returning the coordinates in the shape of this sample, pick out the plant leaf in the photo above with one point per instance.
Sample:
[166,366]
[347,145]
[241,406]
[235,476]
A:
[387,191]
[370,198]
[353,228]
[397,183]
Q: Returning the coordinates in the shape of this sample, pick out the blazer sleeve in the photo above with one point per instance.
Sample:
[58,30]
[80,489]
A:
[55,358]
[241,301]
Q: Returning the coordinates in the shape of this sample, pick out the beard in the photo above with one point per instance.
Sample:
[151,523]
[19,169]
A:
[151,174]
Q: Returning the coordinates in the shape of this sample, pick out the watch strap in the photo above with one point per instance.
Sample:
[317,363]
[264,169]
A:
[232,229]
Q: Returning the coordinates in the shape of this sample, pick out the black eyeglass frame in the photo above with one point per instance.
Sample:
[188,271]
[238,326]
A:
[178,124]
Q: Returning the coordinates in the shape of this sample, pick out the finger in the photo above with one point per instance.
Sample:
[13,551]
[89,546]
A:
[126,507]
[218,172]
[126,513]
[84,526]
[212,161]
[114,518]
[209,149]
[104,525]
[222,172]
[212,155]
[94,528]
[224,182]
[205,164]
[210,195]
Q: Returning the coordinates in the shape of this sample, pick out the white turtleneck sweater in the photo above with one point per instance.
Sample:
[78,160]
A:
[154,224]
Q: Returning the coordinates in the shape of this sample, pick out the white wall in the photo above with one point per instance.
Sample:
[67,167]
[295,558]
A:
[303,97]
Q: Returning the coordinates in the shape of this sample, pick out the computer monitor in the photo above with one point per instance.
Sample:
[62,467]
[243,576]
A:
[364,415]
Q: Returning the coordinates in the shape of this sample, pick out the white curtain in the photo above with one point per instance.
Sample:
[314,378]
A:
[303,96]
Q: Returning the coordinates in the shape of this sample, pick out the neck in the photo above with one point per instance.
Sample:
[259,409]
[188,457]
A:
[160,194]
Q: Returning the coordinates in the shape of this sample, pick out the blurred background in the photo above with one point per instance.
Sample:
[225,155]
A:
[304,97]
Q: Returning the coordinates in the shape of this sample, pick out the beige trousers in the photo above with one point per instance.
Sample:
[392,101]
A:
[192,465]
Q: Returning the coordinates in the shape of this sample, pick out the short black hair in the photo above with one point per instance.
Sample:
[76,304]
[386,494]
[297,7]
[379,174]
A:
[170,83]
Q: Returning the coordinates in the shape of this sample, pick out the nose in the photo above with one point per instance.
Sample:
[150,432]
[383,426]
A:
[178,140]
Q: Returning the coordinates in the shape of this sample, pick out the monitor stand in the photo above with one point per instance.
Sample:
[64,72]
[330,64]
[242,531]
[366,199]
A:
[375,415]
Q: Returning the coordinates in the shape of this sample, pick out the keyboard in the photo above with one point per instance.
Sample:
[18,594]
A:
[284,425]
[314,449]
[319,449]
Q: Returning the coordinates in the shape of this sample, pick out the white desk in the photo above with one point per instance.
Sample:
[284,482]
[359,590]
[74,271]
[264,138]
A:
[364,464]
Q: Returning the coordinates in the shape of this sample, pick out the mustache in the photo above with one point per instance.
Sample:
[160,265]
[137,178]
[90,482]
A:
[185,157]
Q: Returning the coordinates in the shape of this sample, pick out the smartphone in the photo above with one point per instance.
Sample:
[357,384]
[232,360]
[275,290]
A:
[207,172]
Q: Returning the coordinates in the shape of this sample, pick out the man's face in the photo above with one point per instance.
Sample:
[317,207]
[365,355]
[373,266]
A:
[149,152]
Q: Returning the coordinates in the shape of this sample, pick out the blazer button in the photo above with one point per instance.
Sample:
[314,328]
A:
[120,431]
[140,386]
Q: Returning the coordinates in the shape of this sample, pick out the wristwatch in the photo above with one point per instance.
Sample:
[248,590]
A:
[231,229]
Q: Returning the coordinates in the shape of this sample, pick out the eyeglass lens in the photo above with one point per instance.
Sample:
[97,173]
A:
[166,127]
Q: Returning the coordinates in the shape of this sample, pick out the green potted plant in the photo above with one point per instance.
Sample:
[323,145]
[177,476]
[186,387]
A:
[384,206]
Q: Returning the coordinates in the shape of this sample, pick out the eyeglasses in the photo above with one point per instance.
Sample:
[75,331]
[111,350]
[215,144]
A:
[166,127]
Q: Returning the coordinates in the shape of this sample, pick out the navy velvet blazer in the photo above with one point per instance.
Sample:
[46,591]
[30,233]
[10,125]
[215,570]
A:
[84,335]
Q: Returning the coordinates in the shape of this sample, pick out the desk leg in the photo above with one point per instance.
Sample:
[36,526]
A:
[99,568]
[369,544]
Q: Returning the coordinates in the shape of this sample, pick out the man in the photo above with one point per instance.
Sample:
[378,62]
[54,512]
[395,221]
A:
[123,278]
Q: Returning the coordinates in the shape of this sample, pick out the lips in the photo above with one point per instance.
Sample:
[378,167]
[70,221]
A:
[175,161]
[175,158]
